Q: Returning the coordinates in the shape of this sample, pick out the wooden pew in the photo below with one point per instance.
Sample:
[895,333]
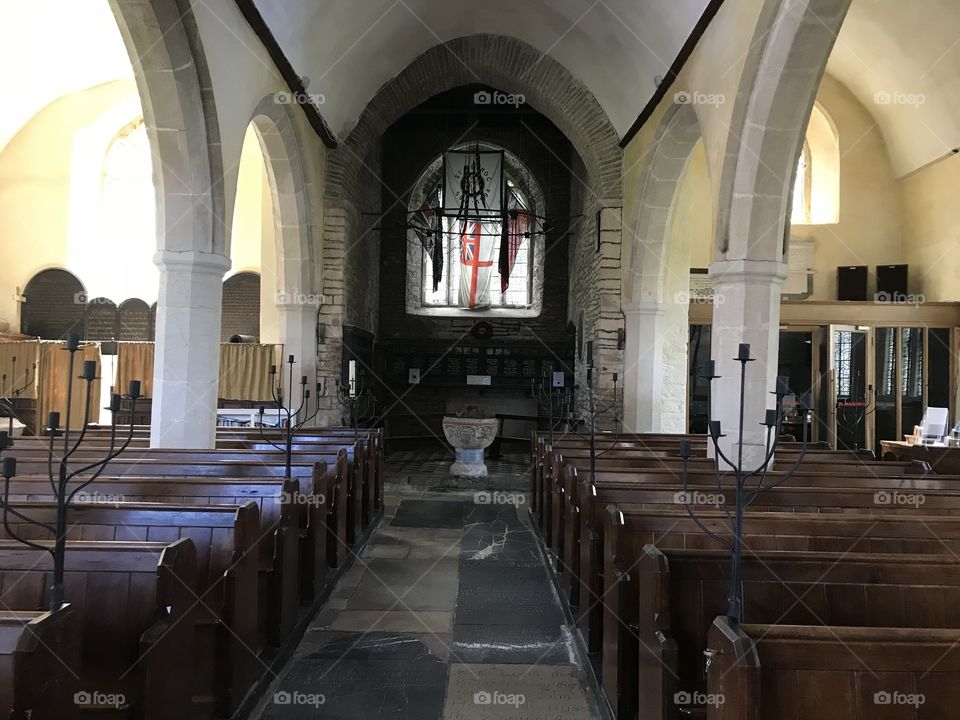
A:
[212,464]
[770,672]
[229,582]
[132,606]
[37,651]
[627,530]
[682,591]
[279,509]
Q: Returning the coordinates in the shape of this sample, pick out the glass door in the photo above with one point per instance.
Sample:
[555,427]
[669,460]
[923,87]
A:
[849,423]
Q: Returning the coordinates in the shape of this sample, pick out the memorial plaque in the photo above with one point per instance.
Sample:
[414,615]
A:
[492,365]
[54,305]
[101,320]
[511,367]
[472,365]
[454,365]
[134,321]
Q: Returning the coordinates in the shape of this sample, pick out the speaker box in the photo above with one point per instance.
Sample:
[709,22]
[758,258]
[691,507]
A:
[891,281]
[852,282]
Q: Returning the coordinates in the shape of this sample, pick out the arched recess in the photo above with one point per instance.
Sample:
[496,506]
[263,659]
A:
[512,66]
[655,368]
[792,42]
[176,93]
[297,297]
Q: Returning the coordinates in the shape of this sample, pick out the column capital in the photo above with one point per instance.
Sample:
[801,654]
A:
[728,272]
[192,261]
[654,309]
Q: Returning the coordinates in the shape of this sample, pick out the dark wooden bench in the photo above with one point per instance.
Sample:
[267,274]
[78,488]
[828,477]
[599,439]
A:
[38,650]
[682,591]
[132,606]
[627,530]
[832,673]
[230,585]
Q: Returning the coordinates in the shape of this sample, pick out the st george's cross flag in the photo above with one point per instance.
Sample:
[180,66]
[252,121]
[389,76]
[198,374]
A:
[477,241]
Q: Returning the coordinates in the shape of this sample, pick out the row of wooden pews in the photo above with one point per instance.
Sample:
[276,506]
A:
[188,572]
[851,578]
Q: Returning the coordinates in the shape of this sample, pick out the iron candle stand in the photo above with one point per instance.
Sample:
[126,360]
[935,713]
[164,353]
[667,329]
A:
[289,428]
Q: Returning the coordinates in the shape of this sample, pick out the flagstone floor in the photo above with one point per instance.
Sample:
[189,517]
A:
[448,614]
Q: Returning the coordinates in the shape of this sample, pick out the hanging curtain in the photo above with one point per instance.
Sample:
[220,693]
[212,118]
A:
[18,368]
[53,367]
[134,362]
[245,371]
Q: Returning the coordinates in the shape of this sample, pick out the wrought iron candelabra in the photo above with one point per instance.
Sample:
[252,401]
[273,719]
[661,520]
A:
[9,398]
[555,402]
[745,495]
[353,398]
[291,426]
[60,480]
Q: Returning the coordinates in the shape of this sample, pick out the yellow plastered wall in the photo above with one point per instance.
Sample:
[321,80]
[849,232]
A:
[931,220]
[41,223]
[253,240]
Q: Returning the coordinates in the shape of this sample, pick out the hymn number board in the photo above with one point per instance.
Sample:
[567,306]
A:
[443,365]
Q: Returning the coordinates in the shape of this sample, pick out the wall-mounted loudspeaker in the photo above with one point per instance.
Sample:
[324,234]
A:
[852,282]
[891,282]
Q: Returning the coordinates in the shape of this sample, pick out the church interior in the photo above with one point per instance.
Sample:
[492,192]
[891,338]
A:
[404,359]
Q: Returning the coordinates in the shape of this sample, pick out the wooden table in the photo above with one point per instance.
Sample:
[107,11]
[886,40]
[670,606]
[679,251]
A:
[943,459]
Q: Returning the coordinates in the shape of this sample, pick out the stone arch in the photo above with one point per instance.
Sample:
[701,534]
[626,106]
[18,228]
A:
[502,62]
[778,89]
[297,298]
[176,93]
[675,140]
[655,352]
[289,188]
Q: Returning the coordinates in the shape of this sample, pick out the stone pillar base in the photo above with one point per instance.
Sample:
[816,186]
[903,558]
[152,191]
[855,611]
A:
[469,464]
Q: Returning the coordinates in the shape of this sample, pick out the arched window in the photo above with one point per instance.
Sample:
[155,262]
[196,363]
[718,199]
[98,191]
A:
[448,245]
[816,191]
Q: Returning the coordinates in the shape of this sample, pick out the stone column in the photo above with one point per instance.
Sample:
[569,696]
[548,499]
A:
[298,335]
[187,353]
[746,309]
[643,366]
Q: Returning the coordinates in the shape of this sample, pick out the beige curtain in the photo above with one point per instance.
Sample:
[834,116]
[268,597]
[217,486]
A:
[134,362]
[245,371]
[19,373]
[54,363]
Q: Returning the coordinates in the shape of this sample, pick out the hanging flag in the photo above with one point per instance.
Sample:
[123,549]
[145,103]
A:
[424,225]
[514,233]
[473,183]
[476,262]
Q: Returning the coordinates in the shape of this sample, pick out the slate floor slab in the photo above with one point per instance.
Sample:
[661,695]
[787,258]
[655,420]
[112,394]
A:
[365,680]
[504,593]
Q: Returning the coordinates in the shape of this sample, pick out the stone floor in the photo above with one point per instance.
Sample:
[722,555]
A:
[429,470]
[448,614]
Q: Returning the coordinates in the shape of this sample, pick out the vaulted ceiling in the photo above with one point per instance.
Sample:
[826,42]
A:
[349,49]
[902,61]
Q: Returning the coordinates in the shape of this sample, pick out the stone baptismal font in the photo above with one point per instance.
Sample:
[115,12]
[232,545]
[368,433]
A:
[470,433]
